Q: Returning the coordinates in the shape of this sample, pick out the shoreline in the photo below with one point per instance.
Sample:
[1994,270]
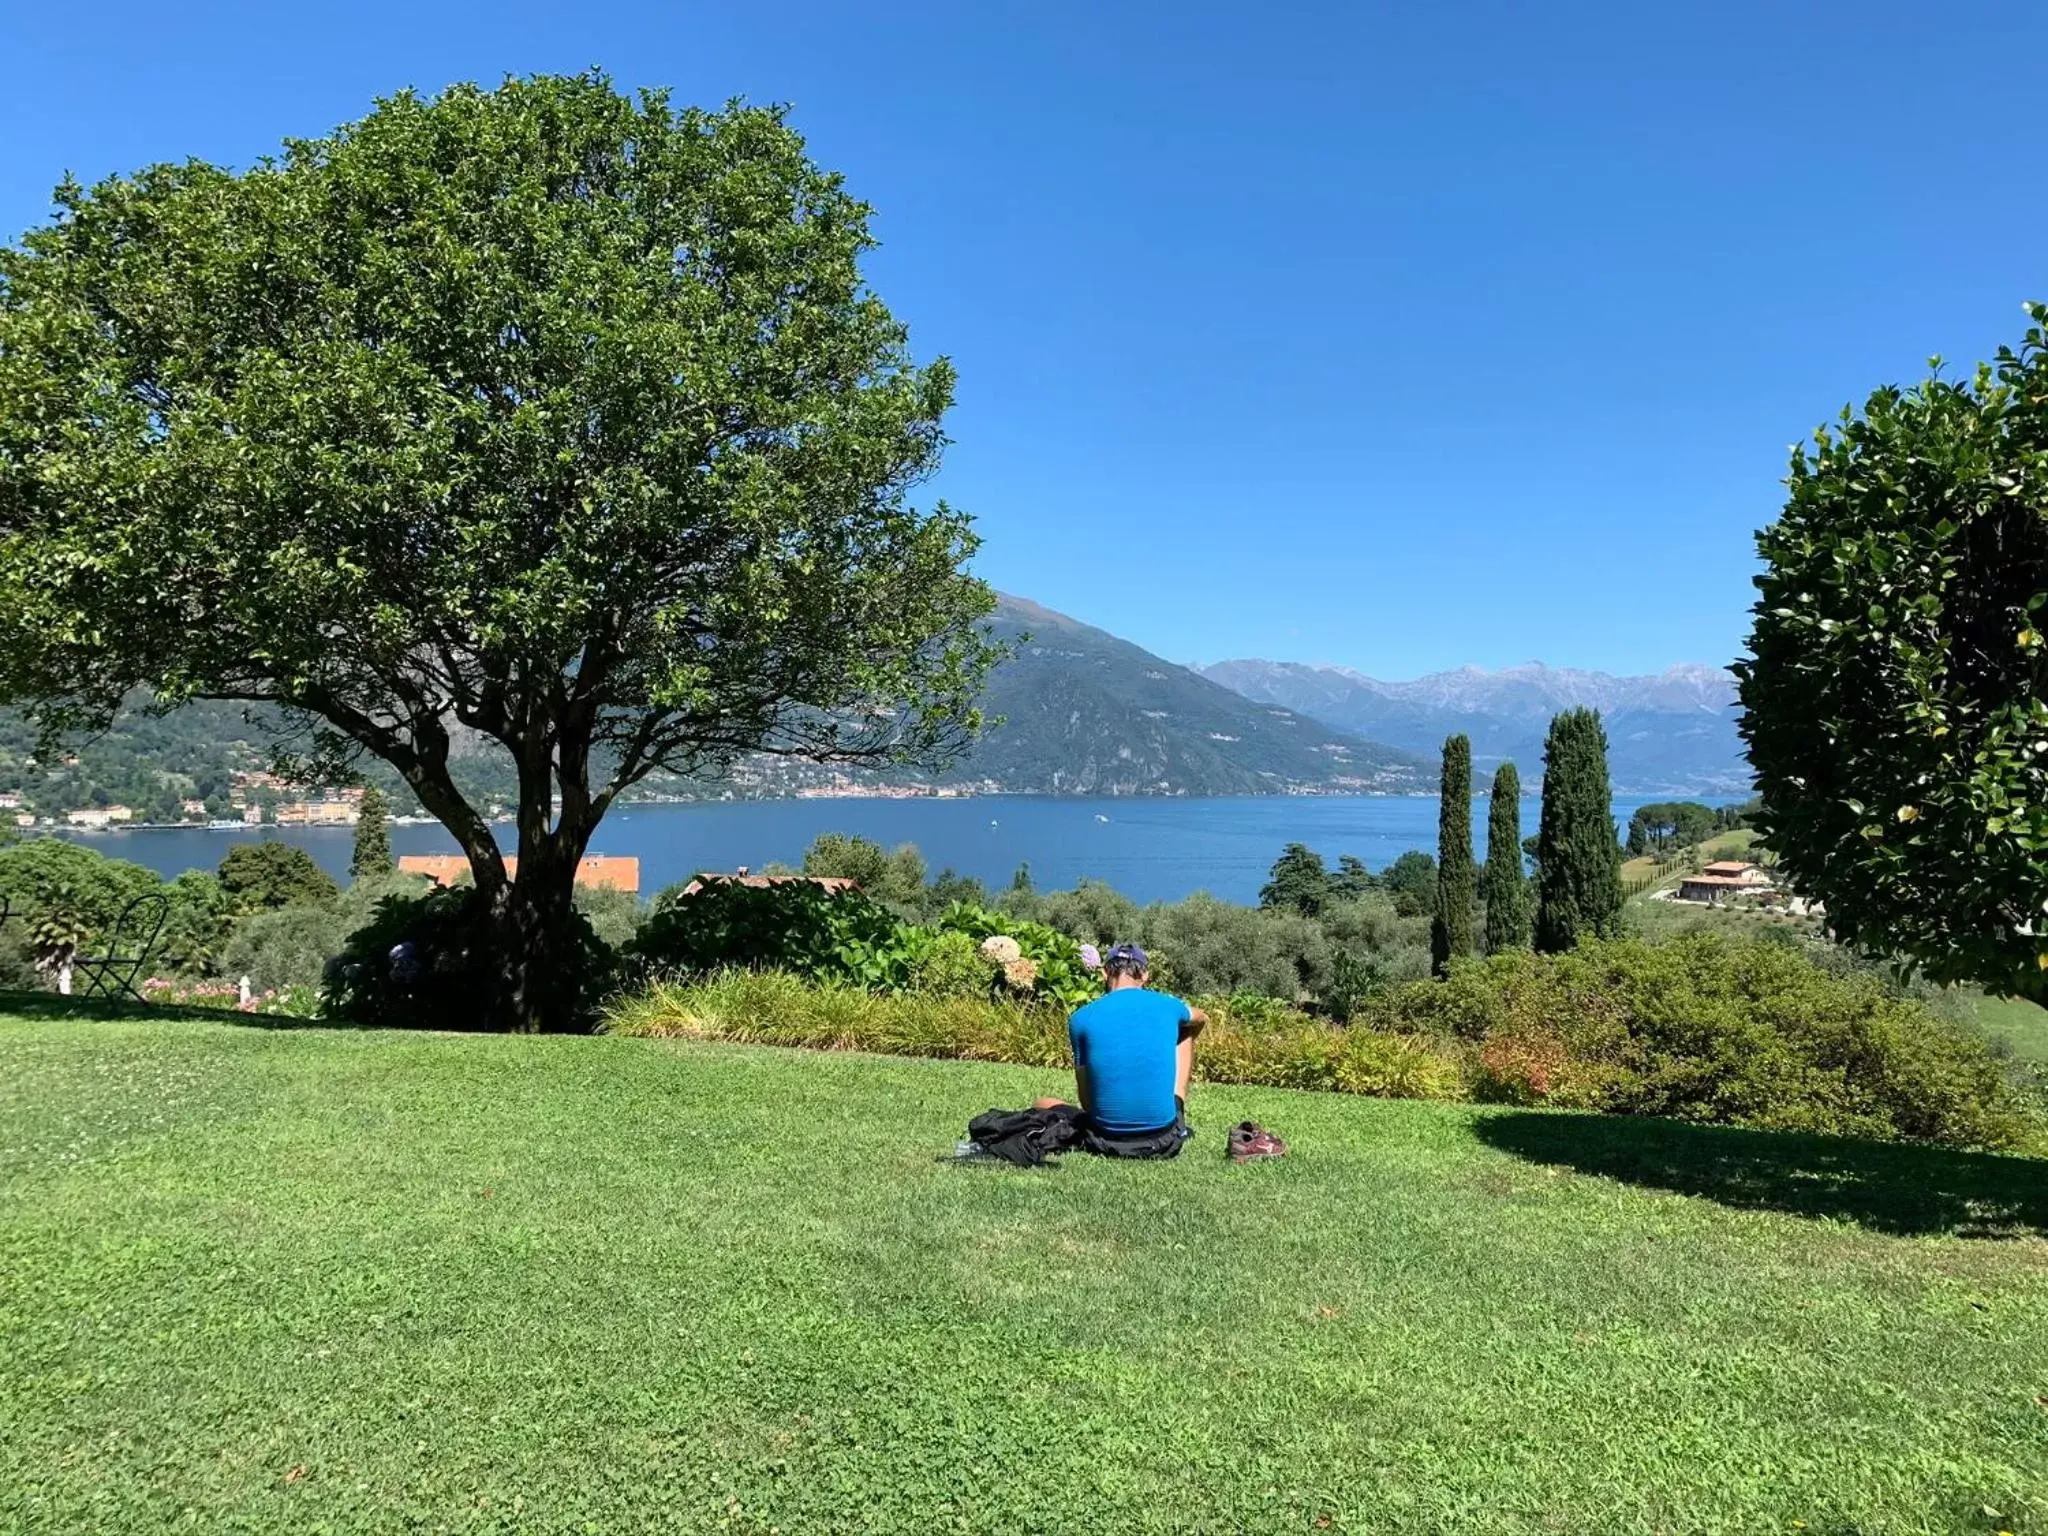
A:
[624,807]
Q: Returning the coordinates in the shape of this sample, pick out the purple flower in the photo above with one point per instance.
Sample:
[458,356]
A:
[1091,957]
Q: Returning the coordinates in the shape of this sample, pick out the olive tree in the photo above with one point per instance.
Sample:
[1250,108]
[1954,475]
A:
[1895,700]
[540,417]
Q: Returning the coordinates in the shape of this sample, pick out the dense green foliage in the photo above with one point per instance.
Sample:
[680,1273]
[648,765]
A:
[1896,698]
[793,925]
[43,875]
[1578,862]
[895,877]
[559,415]
[370,856]
[366,1283]
[285,946]
[269,874]
[1411,881]
[1298,882]
[1678,824]
[1351,880]
[1212,946]
[423,961]
[1450,929]
[848,938]
[1502,885]
[197,926]
[1713,1029]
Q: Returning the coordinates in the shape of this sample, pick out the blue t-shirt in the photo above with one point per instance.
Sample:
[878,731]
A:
[1125,1045]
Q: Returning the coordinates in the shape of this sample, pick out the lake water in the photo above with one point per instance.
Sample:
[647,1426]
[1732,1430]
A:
[1150,849]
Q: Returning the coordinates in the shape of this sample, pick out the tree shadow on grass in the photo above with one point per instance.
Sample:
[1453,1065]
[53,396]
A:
[49,1005]
[1887,1187]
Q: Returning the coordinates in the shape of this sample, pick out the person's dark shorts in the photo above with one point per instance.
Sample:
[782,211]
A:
[1164,1142]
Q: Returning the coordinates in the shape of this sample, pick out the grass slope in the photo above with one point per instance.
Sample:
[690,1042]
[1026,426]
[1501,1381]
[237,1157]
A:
[2021,1024]
[282,1281]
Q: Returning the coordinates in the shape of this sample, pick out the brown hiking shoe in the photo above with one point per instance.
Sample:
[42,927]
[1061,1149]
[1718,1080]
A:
[1250,1142]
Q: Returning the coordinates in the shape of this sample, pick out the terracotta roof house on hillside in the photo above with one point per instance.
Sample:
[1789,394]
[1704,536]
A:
[1737,869]
[600,871]
[832,883]
[1719,881]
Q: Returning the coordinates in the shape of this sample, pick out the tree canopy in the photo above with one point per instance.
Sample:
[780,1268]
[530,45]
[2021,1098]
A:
[1895,701]
[269,874]
[541,416]
[1411,881]
[1675,824]
[1351,880]
[892,876]
[1298,882]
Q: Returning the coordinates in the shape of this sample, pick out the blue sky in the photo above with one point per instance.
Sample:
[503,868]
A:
[1398,336]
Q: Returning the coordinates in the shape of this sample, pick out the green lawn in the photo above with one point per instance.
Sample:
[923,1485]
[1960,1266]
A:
[298,1280]
[1735,843]
[2021,1024]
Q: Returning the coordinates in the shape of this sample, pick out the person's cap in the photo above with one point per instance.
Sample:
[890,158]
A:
[1129,953]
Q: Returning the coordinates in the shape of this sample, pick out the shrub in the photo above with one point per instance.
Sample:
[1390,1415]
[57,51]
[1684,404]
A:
[41,874]
[614,915]
[951,964]
[794,925]
[289,946]
[195,927]
[1744,1032]
[1203,945]
[1048,963]
[17,965]
[777,1008]
[422,962]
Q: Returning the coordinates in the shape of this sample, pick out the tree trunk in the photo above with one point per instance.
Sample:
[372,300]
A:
[538,962]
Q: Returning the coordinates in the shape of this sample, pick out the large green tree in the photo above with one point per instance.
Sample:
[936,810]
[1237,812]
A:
[371,857]
[1411,881]
[1298,882]
[1578,859]
[268,874]
[896,877]
[1895,701]
[541,416]
[1502,885]
[1450,928]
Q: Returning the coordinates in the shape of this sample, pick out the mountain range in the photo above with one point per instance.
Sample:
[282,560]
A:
[1084,713]
[1671,732]
[1078,712]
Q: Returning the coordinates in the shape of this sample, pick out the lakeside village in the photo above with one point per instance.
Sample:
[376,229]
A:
[259,799]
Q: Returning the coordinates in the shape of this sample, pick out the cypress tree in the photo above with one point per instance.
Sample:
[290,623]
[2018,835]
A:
[1502,885]
[1450,934]
[1578,862]
[372,857]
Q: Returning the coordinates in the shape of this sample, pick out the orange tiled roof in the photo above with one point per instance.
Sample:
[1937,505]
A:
[834,883]
[600,870]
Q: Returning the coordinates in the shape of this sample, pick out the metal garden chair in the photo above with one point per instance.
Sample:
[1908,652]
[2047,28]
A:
[112,974]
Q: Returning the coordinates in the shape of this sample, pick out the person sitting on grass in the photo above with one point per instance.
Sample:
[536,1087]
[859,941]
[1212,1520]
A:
[1134,1057]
